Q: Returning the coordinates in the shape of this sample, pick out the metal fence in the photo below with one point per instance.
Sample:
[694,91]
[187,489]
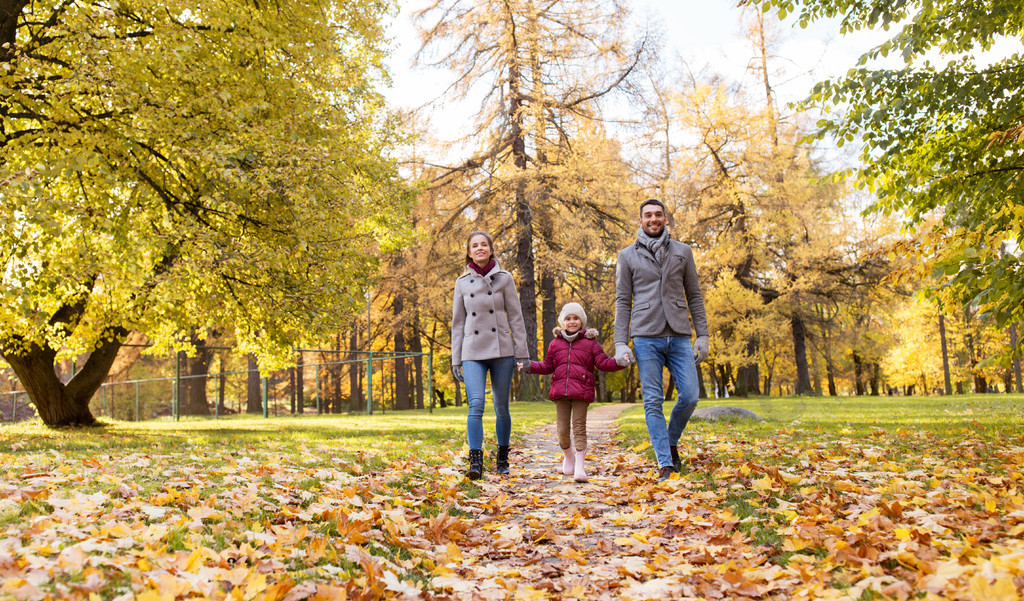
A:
[366,384]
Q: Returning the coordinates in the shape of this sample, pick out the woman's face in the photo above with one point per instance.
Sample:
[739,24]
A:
[480,250]
[572,323]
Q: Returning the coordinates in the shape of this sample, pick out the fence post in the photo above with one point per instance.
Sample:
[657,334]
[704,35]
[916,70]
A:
[14,411]
[103,389]
[369,384]
[216,402]
[136,400]
[266,393]
[430,387]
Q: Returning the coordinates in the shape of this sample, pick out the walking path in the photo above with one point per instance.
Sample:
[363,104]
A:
[538,534]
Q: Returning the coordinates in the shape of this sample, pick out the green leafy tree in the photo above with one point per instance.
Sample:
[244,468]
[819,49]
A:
[937,137]
[169,167]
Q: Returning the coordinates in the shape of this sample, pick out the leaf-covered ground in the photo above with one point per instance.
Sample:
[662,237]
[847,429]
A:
[854,499]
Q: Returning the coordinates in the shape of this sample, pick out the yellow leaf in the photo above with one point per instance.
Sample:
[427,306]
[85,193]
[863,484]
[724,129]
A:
[793,545]
[1003,590]
[254,585]
[642,446]
[902,533]
[764,483]
[640,537]
[194,559]
[144,565]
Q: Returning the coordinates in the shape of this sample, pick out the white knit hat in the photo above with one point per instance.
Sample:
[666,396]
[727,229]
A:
[573,309]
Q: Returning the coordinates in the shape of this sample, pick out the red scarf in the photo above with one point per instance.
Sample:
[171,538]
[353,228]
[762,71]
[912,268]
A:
[482,270]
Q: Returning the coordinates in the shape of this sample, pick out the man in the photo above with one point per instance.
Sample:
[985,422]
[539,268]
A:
[656,296]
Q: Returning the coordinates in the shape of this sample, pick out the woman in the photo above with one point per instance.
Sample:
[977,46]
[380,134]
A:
[488,334]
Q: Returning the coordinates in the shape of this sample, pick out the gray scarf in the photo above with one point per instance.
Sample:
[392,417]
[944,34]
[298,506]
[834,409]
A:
[571,337]
[658,246]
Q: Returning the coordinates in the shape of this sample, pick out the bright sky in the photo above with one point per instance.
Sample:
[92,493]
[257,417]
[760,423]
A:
[704,33]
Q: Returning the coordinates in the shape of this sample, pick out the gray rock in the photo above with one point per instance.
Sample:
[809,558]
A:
[725,413]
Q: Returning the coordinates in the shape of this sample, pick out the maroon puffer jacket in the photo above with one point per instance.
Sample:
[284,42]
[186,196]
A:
[573,366]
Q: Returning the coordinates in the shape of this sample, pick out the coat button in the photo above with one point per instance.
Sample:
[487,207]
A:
[471,281]
[493,330]
[474,313]
[471,295]
[491,311]
[476,331]
[489,293]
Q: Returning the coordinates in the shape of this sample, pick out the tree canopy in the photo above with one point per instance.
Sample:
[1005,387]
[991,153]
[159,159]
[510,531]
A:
[168,166]
[940,133]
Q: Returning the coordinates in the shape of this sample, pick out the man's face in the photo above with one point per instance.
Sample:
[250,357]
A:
[652,220]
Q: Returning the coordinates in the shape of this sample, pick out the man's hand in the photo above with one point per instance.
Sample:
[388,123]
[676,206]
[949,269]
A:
[457,373]
[623,356]
[700,349]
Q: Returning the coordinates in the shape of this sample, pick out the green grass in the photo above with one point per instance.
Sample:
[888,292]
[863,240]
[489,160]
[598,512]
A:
[985,417]
[390,435]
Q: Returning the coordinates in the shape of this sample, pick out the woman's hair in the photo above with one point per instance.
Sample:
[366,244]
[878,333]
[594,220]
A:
[469,240]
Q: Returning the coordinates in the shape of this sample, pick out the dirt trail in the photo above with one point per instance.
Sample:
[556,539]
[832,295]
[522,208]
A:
[539,534]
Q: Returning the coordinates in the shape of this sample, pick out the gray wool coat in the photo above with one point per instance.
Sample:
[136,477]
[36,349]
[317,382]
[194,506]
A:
[651,299]
[487,321]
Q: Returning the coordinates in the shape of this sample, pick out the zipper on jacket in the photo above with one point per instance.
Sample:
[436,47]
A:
[568,364]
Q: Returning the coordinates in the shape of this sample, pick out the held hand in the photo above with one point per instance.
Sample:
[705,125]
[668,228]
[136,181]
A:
[523,366]
[457,373]
[700,349]
[623,356]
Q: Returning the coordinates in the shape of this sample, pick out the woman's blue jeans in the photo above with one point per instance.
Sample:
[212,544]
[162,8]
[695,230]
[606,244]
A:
[653,355]
[475,375]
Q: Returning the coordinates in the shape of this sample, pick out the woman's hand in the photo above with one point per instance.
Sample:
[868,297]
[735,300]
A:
[457,373]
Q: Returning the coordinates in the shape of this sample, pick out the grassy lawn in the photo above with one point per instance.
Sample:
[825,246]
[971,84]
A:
[887,497]
[388,434]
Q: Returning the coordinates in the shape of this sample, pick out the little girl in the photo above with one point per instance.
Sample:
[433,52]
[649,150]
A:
[572,356]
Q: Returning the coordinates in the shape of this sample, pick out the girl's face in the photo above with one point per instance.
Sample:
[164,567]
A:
[480,250]
[572,323]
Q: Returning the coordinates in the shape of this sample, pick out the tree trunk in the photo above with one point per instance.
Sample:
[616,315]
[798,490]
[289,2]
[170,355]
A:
[221,385]
[1016,358]
[748,378]
[192,395]
[402,398]
[815,371]
[858,373]
[336,379]
[945,356]
[253,394]
[876,378]
[416,346]
[803,379]
[60,404]
[355,389]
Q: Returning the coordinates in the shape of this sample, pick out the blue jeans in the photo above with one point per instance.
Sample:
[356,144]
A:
[653,355]
[475,375]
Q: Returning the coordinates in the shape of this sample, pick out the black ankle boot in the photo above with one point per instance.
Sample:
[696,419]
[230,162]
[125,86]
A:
[476,464]
[676,461]
[502,463]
